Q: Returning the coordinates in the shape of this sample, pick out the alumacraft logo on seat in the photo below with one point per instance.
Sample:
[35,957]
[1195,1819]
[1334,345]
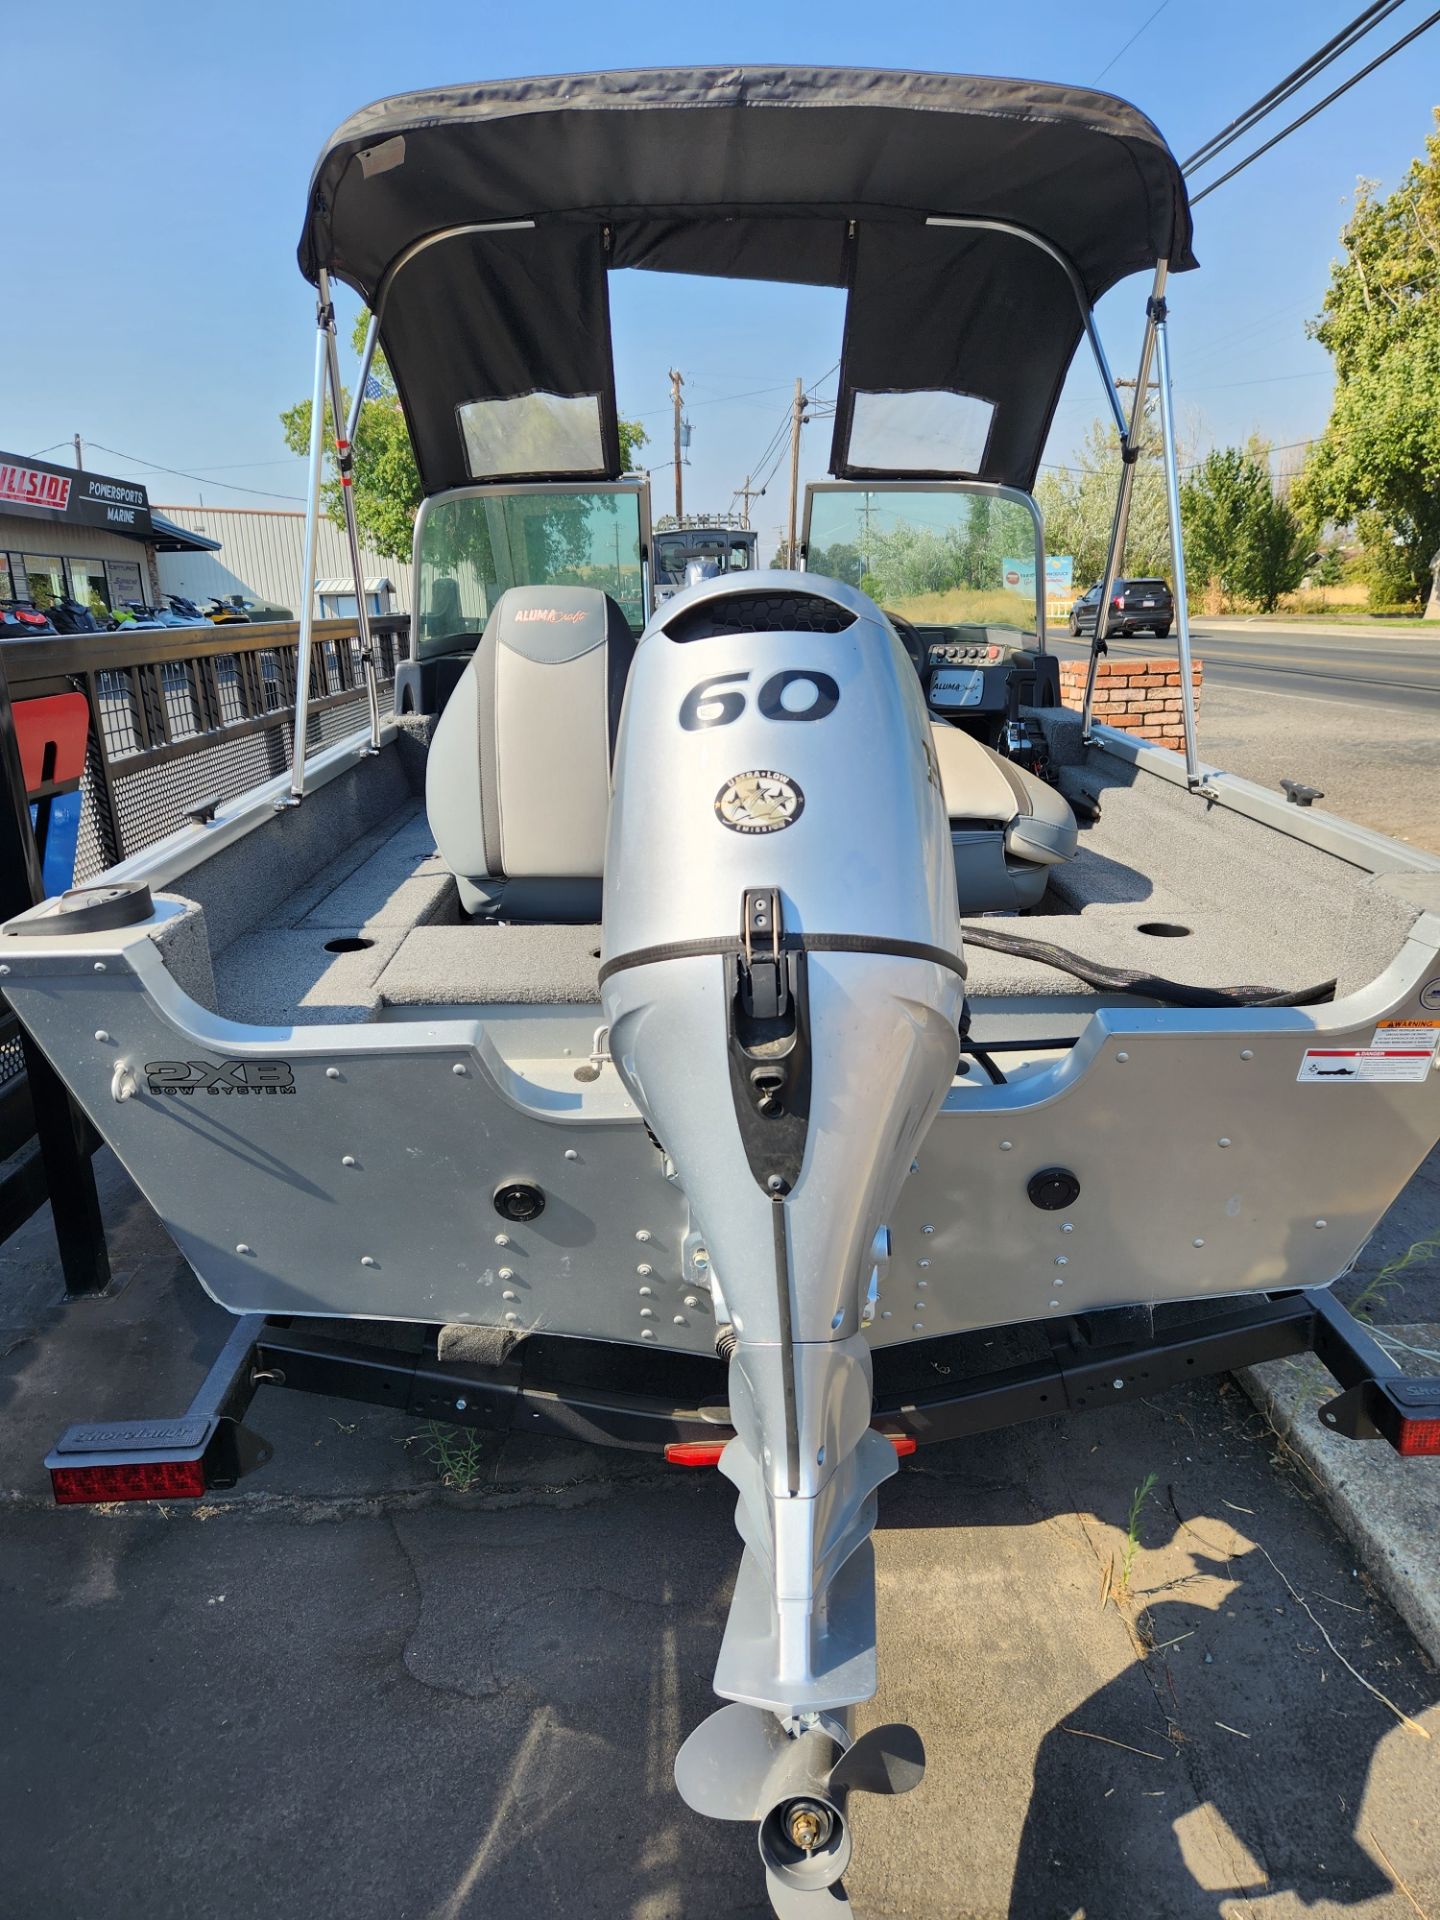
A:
[550,614]
[219,1077]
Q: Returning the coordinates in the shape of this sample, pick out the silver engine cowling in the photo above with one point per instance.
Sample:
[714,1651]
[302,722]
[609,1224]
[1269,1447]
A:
[781,977]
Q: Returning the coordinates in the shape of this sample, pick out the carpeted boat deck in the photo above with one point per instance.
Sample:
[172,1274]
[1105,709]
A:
[1160,886]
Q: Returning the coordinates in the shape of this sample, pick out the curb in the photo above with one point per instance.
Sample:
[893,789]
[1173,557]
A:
[1388,1508]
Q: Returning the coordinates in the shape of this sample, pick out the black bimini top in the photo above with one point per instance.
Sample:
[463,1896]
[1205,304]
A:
[481,222]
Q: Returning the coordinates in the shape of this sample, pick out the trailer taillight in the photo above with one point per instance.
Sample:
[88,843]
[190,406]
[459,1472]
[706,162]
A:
[135,1480]
[1417,1437]
[1402,1410]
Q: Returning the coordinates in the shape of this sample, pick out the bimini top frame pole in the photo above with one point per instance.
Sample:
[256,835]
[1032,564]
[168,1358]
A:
[345,464]
[1131,440]
[1155,345]
[1077,287]
[324,320]
[327,377]
[1156,313]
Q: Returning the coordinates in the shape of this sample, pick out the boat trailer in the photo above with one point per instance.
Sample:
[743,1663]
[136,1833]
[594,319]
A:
[589,1390]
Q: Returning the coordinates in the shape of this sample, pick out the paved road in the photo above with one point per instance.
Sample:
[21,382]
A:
[1359,719]
[344,1691]
[1400,671]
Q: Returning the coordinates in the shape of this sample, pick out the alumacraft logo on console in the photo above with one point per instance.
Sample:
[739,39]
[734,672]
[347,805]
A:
[761,801]
[219,1077]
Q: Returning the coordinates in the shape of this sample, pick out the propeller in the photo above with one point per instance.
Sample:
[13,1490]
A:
[742,1764]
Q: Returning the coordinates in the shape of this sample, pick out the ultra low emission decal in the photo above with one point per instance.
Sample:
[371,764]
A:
[219,1077]
[761,801]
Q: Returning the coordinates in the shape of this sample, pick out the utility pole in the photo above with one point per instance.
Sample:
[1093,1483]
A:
[748,493]
[677,381]
[79,452]
[865,515]
[797,421]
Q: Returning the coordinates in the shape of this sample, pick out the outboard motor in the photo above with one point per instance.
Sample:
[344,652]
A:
[782,979]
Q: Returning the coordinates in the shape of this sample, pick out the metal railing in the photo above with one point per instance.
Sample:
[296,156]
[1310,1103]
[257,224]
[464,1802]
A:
[178,716]
[183,715]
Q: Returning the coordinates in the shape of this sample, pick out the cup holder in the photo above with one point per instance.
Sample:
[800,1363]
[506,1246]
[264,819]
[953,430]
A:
[1163,929]
[348,943]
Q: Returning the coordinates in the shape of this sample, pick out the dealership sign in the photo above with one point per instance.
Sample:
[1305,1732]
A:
[80,499]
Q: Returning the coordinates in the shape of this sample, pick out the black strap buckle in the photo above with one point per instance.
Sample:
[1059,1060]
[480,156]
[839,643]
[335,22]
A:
[764,987]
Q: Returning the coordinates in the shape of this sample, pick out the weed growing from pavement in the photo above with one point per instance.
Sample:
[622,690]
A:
[1132,1530]
[1376,1292]
[457,1454]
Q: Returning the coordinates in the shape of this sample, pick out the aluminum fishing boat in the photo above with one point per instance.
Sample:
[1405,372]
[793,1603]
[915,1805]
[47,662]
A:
[694,1025]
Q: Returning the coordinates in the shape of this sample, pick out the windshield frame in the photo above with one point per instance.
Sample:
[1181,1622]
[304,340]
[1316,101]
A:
[984,489]
[633,485]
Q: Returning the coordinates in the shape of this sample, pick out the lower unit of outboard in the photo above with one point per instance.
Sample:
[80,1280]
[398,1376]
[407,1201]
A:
[781,974]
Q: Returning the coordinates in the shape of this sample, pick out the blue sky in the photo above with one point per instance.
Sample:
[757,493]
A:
[154,304]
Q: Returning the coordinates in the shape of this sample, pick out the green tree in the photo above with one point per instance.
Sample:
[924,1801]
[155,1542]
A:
[386,480]
[1239,535]
[1078,504]
[1378,462]
[1218,499]
[1279,550]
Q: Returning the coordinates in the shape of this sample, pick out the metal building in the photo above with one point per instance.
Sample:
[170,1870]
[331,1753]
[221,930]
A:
[260,556]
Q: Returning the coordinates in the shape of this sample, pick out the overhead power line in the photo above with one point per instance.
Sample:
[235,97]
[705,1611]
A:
[1320,105]
[1131,41]
[154,466]
[1369,17]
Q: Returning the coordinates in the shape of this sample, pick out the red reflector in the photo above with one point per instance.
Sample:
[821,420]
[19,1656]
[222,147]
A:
[706,1453]
[142,1480]
[694,1453]
[1417,1437]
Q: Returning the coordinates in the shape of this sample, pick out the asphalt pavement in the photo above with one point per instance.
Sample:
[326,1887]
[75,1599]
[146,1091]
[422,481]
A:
[346,1690]
[1355,714]
[1356,669]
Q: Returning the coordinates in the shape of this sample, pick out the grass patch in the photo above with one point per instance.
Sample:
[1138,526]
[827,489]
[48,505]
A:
[456,1454]
[967,606]
[1132,1531]
[1376,1292]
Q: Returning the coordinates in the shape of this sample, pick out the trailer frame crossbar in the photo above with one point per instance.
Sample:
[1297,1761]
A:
[1094,1360]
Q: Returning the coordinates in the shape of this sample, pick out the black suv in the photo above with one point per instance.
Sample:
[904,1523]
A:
[1135,607]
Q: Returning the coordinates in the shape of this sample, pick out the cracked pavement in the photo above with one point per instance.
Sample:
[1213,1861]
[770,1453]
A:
[345,1690]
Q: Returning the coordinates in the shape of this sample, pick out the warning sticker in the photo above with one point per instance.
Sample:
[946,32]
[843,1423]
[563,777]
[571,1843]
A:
[1348,1065]
[1408,1033]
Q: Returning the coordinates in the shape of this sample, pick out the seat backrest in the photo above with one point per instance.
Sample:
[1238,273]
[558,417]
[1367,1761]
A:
[517,784]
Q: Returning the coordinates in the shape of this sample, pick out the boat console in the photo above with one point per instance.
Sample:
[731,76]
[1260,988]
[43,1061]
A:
[982,673]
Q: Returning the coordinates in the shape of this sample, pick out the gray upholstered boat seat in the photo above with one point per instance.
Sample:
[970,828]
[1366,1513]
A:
[1007,827]
[517,782]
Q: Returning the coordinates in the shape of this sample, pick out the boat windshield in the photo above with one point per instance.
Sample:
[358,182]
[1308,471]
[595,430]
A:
[940,556]
[472,545]
[726,551]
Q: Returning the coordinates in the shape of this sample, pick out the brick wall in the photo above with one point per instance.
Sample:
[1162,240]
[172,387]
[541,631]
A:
[1137,696]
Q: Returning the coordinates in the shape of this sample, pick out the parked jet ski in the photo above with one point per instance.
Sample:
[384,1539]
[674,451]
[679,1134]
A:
[67,615]
[702,1054]
[21,621]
